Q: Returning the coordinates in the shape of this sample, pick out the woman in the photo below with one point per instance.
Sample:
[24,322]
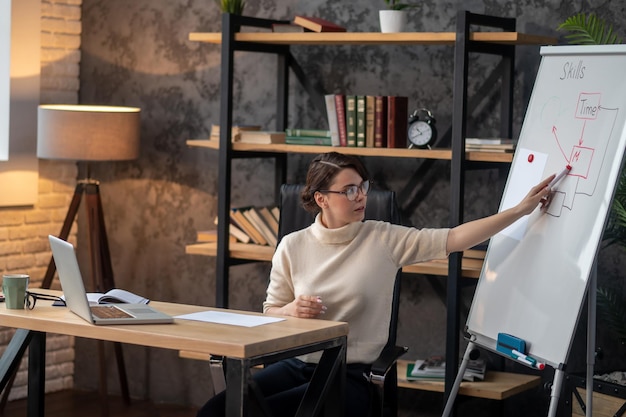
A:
[341,268]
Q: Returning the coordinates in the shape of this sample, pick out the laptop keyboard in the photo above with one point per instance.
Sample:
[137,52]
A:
[109,312]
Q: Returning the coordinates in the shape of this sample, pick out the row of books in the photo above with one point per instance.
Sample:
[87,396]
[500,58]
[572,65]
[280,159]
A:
[324,137]
[258,225]
[254,134]
[368,121]
[308,24]
[434,369]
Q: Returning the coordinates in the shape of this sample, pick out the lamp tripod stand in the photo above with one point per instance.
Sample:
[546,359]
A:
[102,281]
[101,270]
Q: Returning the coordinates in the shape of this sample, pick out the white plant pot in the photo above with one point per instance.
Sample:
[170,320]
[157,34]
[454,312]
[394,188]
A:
[392,21]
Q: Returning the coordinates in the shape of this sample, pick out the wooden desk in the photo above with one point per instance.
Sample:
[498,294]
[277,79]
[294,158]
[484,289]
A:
[242,348]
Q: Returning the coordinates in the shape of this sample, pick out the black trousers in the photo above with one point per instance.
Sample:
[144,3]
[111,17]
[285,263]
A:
[283,384]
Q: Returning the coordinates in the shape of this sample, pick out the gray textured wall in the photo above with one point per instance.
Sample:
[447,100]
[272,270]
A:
[137,53]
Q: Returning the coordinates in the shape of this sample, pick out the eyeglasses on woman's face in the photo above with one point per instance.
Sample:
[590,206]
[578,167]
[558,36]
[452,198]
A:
[352,191]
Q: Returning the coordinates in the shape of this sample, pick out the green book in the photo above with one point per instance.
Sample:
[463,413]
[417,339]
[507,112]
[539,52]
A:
[317,133]
[351,120]
[360,121]
[308,140]
[423,376]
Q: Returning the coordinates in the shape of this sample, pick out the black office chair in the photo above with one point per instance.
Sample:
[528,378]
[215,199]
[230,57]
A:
[381,205]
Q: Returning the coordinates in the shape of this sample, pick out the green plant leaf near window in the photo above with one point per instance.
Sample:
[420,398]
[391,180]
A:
[231,6]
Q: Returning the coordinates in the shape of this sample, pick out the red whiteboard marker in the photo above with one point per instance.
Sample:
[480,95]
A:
[560,175]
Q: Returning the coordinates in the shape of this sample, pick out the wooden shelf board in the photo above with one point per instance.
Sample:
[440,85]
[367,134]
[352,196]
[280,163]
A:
[237,250]
[374,38]
[471,264]
[442,154]
[496,386]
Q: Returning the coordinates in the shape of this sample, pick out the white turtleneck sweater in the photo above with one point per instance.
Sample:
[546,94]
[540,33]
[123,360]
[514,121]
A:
[352,269]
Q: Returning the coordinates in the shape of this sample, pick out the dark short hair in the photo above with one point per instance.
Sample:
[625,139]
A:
[322,171]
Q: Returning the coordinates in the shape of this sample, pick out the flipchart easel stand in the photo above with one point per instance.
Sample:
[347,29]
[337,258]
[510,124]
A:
[557,382]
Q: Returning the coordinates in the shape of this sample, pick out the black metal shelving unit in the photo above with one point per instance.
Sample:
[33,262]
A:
[464,46]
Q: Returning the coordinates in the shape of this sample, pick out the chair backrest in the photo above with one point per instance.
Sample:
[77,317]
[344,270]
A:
[381,205]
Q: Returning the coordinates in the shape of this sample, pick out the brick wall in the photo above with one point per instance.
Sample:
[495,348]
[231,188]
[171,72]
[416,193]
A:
[23,230]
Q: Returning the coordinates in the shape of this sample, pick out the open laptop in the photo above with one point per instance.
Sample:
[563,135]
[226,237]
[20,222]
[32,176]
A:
[76,296]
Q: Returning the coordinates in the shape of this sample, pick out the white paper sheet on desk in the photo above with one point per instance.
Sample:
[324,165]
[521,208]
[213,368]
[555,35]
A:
[234,319]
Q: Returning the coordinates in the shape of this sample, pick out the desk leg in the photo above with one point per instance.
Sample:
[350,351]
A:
[12,356]
[327,386]
[237,383]
[36,374]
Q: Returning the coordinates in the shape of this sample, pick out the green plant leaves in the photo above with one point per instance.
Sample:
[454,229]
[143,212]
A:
[612,311]
[589,30]
[232,6]
[394,5]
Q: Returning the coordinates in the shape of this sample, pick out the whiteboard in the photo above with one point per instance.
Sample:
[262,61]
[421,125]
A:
[534,279]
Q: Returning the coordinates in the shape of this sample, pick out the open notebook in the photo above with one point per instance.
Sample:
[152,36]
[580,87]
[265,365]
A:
[76,296]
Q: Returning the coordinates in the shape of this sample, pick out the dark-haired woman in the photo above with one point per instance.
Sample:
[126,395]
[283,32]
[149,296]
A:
[343,268]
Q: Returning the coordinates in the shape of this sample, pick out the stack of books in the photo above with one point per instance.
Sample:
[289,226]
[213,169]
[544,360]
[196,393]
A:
[490,145]
[308,137]
[258,225]
[261,136]
[308,24]
[235,131]
[316,24]
[368,121]
[434,369]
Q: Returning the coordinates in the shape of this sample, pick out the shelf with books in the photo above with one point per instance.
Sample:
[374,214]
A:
[496,385]
[443,154]
[500,40]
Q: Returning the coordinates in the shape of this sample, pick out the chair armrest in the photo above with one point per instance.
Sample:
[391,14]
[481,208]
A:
[384,362]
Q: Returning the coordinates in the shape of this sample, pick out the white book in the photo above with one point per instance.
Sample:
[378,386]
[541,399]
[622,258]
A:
[331,113]
[489,141]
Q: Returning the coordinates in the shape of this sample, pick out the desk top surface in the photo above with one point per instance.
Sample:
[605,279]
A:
[217,339]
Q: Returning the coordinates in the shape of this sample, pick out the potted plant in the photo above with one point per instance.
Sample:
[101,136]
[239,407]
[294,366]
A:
[231,6]
[394,18]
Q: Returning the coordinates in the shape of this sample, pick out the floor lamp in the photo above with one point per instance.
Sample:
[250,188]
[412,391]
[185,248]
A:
[87,134]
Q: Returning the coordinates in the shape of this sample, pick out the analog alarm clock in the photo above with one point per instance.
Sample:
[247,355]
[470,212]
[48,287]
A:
[422,131]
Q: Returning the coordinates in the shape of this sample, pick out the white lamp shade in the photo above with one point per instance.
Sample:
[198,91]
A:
[88,133]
